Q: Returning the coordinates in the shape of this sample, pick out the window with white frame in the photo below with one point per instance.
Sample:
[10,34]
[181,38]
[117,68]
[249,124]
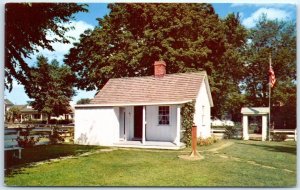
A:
[164,115]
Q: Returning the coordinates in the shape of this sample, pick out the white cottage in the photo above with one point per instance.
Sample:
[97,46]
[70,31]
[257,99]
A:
[144,111]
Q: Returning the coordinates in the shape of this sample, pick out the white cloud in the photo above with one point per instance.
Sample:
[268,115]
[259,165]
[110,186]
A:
[271,14]
[60,49]
[283,4]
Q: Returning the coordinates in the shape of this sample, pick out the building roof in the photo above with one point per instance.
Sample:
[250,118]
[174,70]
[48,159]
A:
[149,90]
[8,102]
[255,110]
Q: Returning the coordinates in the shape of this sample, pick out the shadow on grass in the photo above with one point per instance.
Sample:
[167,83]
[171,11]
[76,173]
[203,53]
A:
[291,149]
[39,153]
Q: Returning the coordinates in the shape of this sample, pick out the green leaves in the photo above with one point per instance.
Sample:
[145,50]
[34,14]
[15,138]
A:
[279,39]
[51,87]
[188,37]
[26,25]
[187,115]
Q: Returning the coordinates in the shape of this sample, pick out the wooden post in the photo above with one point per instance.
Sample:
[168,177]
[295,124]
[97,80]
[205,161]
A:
[194,142]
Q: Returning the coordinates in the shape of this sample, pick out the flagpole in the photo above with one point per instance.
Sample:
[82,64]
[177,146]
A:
[270,61]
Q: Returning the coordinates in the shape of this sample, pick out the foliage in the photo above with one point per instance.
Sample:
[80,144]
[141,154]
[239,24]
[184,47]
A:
[230,132]
[83,101]
[279,137]
[277,38]
[207,141]
[34,121]
[189,37]
[187,116]
[55,137]
[237,125]
[25,140]
[51,121]
[62,121]
[51,87]
[13,113]
[26,28]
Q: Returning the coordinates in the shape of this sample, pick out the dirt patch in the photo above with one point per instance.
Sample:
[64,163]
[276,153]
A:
[223,156]
[190,158]
[227,144]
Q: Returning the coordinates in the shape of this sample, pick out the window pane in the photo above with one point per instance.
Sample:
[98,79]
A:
[164,115]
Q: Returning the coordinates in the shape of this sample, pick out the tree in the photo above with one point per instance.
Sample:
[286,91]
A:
[83,101]
[51,87]
[229,71]
[26,28]
[13,113]
[277,38]
[188,37]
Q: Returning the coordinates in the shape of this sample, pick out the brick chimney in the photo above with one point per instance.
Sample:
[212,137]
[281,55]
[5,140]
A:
[159,68]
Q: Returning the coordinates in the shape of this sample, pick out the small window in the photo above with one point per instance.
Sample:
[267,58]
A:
[163,115]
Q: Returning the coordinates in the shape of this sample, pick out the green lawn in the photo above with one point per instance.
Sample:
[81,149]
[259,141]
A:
[244,163]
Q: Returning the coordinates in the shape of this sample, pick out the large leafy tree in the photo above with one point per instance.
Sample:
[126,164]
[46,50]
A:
[51,87]
[26,26]
[278,39]
[188,37]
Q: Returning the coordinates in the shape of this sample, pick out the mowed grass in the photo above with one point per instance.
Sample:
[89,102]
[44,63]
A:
[129,167]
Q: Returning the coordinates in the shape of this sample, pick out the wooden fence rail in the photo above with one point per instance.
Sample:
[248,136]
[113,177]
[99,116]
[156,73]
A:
[11,134]
[291,133]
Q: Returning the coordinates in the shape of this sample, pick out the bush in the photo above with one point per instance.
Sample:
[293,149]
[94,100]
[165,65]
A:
[208,141]
[187,115]
[63,121]
[230,132]
[279,137]
[24,140]
[34,122]
[51,121]
[55,138]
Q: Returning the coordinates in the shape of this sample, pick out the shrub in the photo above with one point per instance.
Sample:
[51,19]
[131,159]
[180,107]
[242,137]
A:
[62,121]
[279,137]
[34,122]
[55,138]
[24,140]
[208,141]
[230,132]
[187,115]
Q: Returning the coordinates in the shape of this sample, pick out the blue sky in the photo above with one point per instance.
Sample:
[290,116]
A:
[249,14]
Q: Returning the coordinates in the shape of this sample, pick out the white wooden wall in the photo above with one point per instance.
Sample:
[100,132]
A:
[97,126]
[202,114]
[156,132]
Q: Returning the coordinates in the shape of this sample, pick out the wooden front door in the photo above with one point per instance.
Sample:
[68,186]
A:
[138,121]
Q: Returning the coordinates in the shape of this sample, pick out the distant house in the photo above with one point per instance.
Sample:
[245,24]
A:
[7,104]
[144,110]
[28,113]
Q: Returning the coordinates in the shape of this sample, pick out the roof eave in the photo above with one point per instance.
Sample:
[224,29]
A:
[132,104]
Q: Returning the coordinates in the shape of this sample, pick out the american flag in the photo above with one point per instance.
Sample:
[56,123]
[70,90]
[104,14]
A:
[272,78]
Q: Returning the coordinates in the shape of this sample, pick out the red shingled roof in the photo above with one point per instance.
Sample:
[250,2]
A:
[172,88]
